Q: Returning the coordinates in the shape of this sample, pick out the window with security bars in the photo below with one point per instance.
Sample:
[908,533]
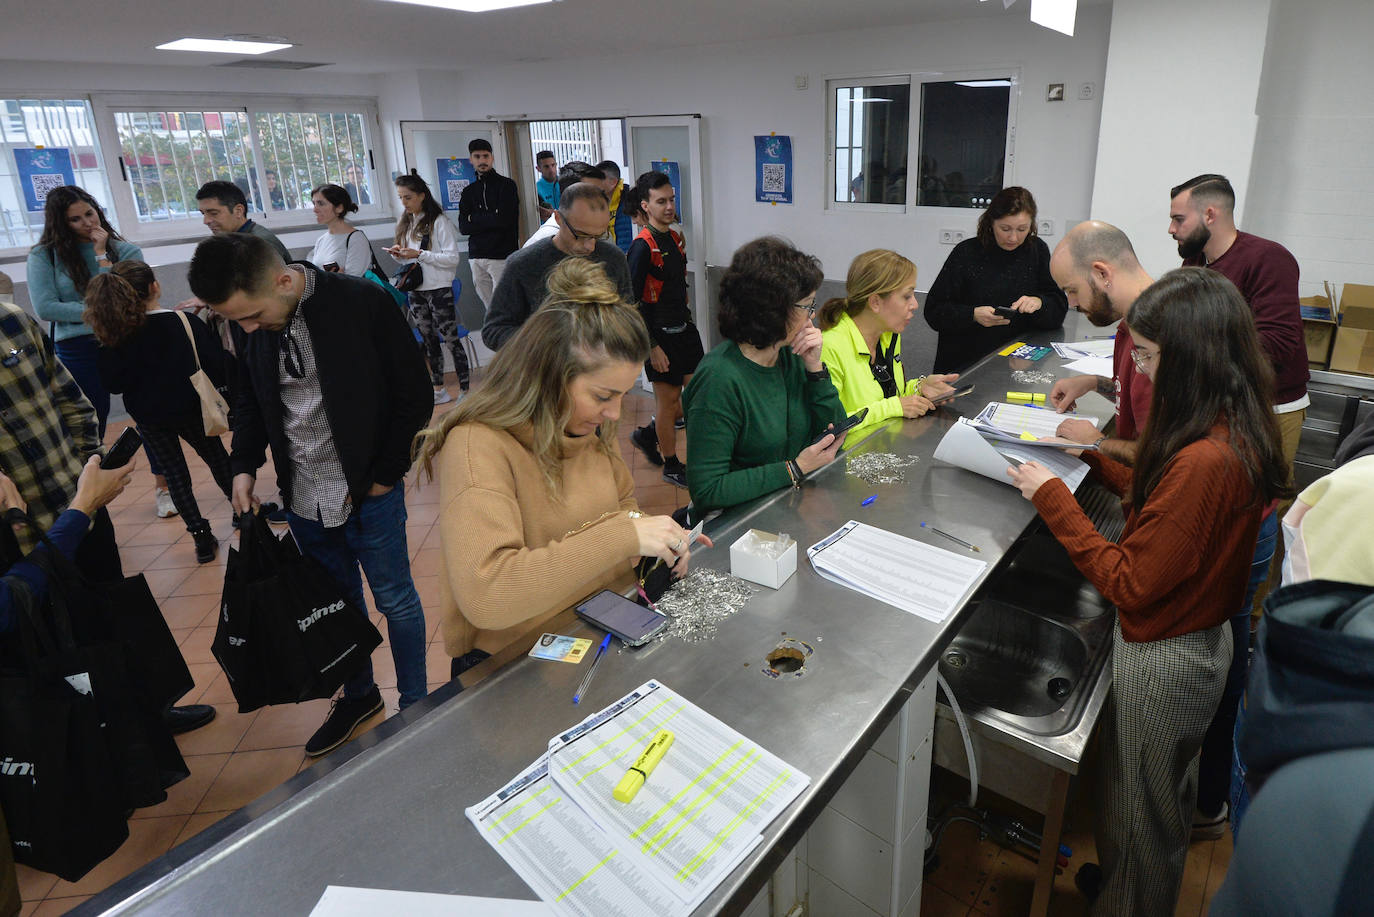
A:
[28,124]
[275,157]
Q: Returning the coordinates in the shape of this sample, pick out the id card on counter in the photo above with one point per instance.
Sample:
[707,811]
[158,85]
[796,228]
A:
[561,649]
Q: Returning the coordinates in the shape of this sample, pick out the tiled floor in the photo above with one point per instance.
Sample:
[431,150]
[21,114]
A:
[239,757]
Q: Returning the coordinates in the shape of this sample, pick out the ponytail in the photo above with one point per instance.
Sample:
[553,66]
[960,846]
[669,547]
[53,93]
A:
[117,301]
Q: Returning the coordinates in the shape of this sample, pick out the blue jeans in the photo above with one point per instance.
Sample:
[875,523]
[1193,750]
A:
[374,537]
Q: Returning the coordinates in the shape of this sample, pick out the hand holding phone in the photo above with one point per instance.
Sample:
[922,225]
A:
[850,422]
[950,396]
[122,452]
[1005,312]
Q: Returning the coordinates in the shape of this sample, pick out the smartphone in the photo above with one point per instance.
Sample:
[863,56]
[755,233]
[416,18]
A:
[1005,312]
[950,396]
[122,452]
[852,421]
[332,267]
[611,611]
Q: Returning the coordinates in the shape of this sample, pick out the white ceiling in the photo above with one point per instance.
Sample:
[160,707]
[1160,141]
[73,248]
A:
[373,36]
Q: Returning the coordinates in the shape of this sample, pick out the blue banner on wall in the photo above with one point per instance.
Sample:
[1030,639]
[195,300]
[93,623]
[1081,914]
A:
[40,171]
[773,169]
[454,176]
[674,173]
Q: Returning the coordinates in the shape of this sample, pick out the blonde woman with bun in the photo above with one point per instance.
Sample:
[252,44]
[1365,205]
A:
[537,507]
[146,354]
[861,341]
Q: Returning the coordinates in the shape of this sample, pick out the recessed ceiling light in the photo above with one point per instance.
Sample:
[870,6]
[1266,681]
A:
[1055,14]
[473,6]
[222,46]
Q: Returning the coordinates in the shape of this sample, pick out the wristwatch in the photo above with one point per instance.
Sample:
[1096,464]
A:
[819,374]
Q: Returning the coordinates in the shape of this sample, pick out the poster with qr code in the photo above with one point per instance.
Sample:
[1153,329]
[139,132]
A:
[454,175]
[773,169]
[40,171]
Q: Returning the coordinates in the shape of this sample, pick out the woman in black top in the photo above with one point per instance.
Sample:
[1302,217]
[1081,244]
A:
[1005,266]
[146,353]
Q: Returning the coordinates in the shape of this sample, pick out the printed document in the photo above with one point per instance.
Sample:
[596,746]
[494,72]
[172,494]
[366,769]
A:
[1022,424]
[1072,350]
[908,574]
[346,901]
[966,446]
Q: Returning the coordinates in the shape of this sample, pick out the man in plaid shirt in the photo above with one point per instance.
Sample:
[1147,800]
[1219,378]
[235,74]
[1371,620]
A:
[47,431]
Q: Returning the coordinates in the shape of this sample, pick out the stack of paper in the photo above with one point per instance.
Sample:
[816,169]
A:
[1093,358]
[965,446]
[909,574]
[700,813]
[1024,425]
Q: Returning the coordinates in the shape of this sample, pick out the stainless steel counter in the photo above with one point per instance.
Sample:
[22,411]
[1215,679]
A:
[387,811]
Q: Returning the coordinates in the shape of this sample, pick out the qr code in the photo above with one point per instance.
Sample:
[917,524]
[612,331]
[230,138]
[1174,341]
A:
[455,188]
[42,184]
[775,177]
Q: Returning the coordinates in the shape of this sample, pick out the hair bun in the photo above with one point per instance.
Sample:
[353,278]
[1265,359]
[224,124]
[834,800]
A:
[579,280]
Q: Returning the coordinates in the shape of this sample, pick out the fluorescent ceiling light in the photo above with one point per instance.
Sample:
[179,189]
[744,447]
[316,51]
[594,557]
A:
[982,84]
[473,6]
[1055,14]
[222,46]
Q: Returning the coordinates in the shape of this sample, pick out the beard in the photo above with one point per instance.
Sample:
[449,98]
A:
[1191,245]
[1100,310]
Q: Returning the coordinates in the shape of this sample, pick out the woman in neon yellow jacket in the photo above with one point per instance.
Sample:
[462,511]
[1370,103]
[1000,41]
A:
[862,341]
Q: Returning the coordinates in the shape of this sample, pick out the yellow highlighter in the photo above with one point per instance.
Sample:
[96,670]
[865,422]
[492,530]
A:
[634,778]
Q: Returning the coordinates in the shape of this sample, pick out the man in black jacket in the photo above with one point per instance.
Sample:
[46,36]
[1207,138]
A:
[489,215]
[331,379]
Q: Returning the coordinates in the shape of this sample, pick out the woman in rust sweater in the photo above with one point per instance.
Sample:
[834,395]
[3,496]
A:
[536,505]
[1209,462]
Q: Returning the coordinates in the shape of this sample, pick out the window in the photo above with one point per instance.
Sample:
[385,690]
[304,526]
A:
[276,150]
[872,123]
[30,123]
[963,141]
[589,141]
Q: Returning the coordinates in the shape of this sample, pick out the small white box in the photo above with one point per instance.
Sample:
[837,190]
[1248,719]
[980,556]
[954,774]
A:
[757,566]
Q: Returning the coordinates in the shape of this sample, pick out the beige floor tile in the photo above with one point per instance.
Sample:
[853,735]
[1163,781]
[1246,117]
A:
[149,838]
[248,775]
[156,531]
[162,583]
[179,556]
[218,691]
[34,885]
[204,675]
[220,735]
[52,907]
[190,610]
[207,580]
[184,798]
[284,726]
[196,647]
[139,557]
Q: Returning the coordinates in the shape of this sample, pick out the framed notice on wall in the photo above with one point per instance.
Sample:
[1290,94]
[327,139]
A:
[454,175]
[773,169]
[40,171]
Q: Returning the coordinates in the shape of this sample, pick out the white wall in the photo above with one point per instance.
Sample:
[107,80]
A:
[1312,186]
[747,89]
[35,77]
[1180,94]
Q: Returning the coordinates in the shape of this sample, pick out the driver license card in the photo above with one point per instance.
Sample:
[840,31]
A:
[561,649]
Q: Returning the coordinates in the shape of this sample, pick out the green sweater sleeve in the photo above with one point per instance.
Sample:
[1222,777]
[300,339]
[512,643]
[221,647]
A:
[711,479]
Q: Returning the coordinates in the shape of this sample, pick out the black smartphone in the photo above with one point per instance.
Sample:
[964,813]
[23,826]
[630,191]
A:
[950,396]
[633,624]
[1005,312]
[332,267]
[852,421]
[122,452]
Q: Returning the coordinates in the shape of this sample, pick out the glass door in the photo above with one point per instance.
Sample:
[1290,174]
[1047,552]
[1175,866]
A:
[672,144]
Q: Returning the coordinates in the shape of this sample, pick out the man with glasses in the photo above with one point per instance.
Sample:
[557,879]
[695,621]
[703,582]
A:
[330,377]
[582,215]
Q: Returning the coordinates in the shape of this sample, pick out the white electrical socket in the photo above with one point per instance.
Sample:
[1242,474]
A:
[1045,227]
[951,236]
[800,81]
[1086,91]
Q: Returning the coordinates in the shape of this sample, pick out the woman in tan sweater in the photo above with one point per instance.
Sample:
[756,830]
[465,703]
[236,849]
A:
[537,507]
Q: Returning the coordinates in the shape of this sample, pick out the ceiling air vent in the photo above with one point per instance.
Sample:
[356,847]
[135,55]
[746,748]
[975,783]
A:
[267,63]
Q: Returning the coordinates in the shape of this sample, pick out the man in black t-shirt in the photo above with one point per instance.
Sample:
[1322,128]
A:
[658,277]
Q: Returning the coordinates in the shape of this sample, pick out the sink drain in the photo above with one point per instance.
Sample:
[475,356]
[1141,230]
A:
[955,659]
[1058,688]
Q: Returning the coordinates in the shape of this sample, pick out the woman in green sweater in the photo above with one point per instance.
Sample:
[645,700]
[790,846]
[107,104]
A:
[757,402]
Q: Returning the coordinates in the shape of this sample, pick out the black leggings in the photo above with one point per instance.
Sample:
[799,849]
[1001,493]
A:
[164,445]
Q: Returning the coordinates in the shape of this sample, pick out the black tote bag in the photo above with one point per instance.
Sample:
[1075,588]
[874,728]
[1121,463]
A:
[55,784]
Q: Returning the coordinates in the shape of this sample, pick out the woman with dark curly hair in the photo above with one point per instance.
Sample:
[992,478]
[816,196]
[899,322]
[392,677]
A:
[149,354]
[1006,266]
[757,402]
[78,243]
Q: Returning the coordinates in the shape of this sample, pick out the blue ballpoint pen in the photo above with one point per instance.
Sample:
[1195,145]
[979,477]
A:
[587,679]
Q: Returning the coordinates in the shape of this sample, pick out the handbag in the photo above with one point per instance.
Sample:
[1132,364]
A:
[286,632]
[375,273]
[410,276]
[214,410]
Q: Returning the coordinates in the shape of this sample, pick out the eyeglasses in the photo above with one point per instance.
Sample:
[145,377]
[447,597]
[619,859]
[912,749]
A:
[292,360]
[578,234]
[809,305]
[1143,358]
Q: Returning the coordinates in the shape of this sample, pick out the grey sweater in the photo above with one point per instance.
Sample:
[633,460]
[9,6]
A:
[522,287]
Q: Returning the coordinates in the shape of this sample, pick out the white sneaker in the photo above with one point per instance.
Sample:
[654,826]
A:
[165,507]
[441,396]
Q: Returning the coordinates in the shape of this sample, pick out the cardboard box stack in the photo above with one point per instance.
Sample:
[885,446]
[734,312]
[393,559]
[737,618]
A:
[1353,348]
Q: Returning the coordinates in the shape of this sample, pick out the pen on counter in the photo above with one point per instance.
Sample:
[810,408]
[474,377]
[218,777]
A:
[869,501]
[587,679]
[971,547]
[628,787]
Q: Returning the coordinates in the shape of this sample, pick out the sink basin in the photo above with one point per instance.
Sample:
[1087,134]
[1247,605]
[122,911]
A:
[1041,577]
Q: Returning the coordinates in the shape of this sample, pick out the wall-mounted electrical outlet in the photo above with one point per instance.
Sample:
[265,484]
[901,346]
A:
[1087,91]
[1045,227]
[951,236]
[800,81]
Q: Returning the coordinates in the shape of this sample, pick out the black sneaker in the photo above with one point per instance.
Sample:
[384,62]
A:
[646,441]
[675,473]
[206,543]
[191,716]
[345,716]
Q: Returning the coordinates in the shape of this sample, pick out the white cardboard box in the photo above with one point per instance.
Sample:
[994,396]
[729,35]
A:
[759,568]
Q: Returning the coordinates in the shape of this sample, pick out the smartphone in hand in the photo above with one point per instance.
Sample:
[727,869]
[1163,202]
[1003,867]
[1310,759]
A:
[1005,312]
[122,452]
[852,421]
